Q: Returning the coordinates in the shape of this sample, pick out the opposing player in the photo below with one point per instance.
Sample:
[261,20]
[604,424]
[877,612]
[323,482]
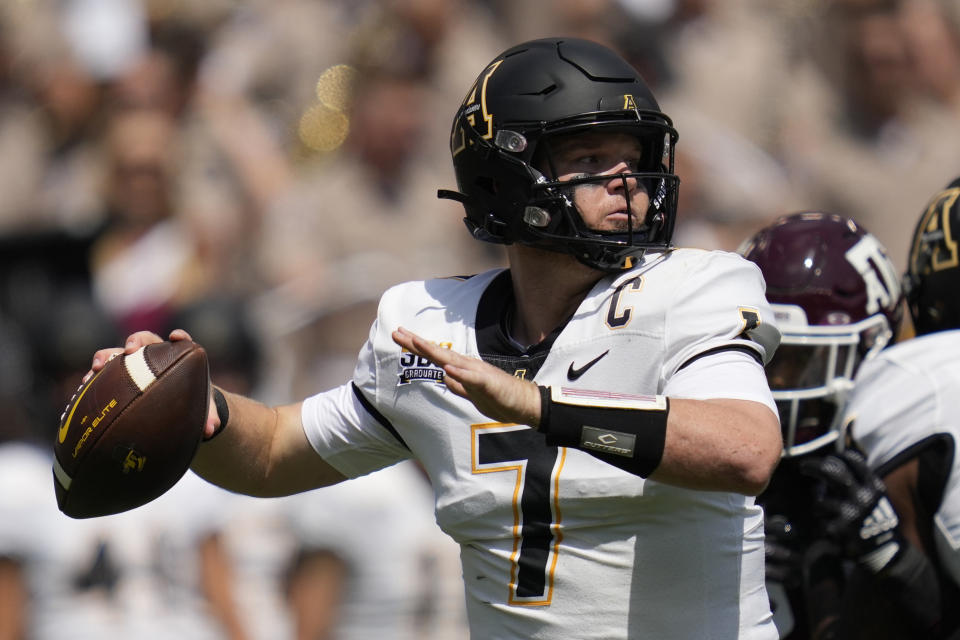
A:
[595,419]
[836,296]
[903,416]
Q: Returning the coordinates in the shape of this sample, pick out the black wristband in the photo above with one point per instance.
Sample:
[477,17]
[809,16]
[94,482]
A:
[624,430]
[223,411]
[544,408]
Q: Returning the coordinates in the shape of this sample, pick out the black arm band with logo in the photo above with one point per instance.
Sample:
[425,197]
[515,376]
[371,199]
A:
[627,431]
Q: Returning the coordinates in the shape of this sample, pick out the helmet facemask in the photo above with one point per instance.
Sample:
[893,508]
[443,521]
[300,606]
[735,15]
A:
[556,216]
[812,375]
[836,298]
[551,210]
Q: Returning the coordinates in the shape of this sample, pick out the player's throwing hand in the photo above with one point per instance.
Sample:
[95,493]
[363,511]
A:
[493,392]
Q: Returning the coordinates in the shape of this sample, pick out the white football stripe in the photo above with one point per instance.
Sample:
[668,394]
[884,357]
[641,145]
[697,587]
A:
[136,364]
[61,475]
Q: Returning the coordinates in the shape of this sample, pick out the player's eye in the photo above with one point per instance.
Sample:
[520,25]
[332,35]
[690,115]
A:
[587,160]
[602,163]
[618,163]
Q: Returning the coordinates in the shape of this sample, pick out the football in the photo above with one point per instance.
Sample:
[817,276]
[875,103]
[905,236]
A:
[128,434]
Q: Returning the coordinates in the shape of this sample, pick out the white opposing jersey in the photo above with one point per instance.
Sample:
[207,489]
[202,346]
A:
[155,552]
[904,399]
[554,542]
[56,554]
[130,575]
[382,526]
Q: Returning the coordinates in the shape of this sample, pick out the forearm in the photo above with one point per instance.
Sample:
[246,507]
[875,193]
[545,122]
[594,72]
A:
[716,444]
[262,451]
[720,445]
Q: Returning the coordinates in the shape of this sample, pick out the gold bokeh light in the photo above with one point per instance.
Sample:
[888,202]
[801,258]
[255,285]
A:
[322,128]
[335,86]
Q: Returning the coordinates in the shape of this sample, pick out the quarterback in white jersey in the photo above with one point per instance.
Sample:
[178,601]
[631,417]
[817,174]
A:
[594,420]
[556,543]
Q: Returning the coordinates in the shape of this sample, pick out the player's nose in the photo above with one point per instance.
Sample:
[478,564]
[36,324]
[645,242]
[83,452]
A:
[620,178]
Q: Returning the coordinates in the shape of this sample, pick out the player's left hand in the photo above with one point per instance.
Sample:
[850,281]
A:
[141,339]
[857,513]
[493,392]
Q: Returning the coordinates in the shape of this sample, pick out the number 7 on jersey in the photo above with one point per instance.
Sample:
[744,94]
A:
[499,448]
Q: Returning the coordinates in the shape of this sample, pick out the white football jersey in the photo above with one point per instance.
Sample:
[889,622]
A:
[903,399]
[554,542]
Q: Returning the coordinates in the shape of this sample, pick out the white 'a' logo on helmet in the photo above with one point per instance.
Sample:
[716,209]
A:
[869,258]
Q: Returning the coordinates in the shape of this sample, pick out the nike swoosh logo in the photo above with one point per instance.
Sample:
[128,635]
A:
[573,373]
[62,434]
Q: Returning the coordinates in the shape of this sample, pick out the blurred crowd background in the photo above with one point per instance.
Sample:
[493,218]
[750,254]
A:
[259,171]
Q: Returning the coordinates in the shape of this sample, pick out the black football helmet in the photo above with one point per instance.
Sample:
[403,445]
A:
[836,298]
[501,145]
[932,279]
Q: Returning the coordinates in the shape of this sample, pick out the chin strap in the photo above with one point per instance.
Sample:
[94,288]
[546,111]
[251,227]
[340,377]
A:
[448,194]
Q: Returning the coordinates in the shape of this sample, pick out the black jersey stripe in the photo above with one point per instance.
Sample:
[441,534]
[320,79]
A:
[935,459]
[751,351]
[379,417]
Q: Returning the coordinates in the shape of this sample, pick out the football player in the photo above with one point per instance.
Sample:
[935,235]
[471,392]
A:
[595,419]
[903,415]
[836,296]
[869,475]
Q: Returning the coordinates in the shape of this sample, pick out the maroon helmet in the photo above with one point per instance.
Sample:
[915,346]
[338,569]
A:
[836,298]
